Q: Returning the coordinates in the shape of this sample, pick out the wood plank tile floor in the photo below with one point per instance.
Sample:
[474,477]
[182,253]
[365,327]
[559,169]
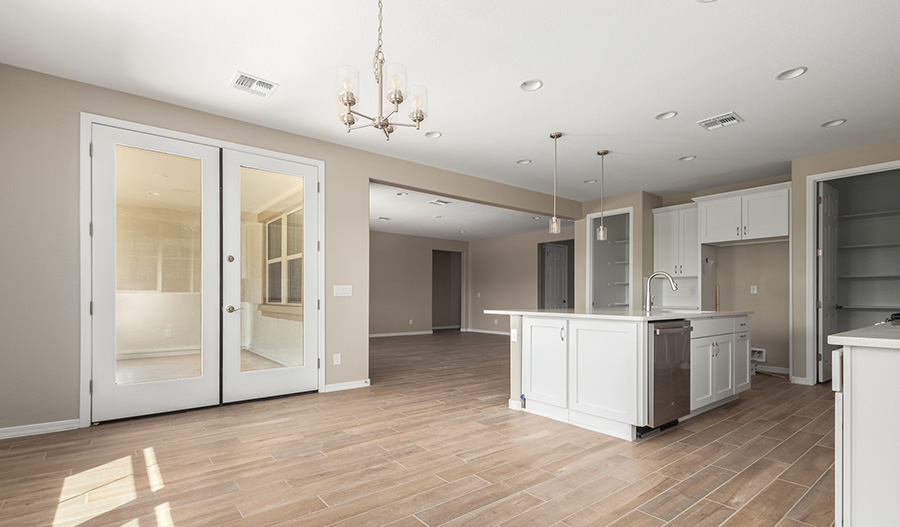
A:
[430,443]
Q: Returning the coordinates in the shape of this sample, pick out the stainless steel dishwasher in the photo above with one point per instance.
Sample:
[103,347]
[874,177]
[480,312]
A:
[670,374]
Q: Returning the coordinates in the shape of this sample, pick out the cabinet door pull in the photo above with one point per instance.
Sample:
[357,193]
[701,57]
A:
[738,231]
[561,331]
[745,230]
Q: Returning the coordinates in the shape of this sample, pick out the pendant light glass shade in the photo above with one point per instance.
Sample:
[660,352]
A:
[555,223]
[601,234]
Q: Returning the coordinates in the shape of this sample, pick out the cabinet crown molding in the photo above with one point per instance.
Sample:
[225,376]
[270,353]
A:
[744,192]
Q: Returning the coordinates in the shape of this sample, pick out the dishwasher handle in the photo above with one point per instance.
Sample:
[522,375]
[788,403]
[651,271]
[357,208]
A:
[670,331]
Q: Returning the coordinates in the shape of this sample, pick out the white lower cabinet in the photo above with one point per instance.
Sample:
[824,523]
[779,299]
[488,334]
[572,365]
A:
[584,372]
[544,368]
[720,360]
[603,366]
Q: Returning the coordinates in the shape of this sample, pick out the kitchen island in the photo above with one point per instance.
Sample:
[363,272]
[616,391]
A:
[592,368]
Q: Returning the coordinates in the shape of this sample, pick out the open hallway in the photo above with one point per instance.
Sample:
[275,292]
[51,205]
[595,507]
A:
[431,442]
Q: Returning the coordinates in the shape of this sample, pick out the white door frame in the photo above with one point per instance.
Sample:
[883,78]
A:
[811,239]
[84,222]
[589,278]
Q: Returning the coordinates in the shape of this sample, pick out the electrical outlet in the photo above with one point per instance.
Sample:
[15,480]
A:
[753,290]
[410,322]
[168,333]
[337,359]
[514,335]
[478,295]
[495,321]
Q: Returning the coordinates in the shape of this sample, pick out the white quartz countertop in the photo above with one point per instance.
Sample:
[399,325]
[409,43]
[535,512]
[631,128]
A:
[878,336]
[619,313]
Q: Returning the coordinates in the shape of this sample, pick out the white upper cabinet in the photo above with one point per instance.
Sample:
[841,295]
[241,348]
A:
[752,214]
[675,245]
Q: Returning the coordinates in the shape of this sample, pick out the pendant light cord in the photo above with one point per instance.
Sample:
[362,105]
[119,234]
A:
[554,176]
[602,173]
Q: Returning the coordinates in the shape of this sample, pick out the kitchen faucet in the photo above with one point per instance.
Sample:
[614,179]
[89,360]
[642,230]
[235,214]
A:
[648,302]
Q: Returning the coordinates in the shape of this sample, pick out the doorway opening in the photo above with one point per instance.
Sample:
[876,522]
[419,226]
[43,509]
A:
[446,290]
[858,256]
[556,274]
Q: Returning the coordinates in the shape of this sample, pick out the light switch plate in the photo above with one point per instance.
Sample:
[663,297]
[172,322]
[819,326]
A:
[337,359]
[343,290]
[514,335]
[753,290]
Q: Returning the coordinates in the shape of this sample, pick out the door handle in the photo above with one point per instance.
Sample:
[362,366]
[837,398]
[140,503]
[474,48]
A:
[232,309]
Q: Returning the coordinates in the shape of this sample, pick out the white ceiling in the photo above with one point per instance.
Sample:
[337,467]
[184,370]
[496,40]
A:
[608,68]
[409,212]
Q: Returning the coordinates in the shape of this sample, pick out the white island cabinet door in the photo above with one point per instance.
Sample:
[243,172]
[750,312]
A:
[702,393]
[723,367]
[603,369]
[741,362]
[544,361]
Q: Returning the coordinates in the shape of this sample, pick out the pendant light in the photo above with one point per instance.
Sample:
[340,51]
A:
[555,223]
[601,230]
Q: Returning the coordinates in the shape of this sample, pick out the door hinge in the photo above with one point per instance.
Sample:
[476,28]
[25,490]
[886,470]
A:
[91,150]
[91,387]
[91,307]
[319,304]
[819,304]
[318,246]
[318,187]
[91,228]
[818,356]
[819,200]
[319,364]
[819,253]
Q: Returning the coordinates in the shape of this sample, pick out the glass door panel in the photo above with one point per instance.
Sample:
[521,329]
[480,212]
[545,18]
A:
[155,274]
[269,223]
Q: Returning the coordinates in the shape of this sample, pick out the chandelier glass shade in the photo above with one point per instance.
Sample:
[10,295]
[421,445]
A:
[392,89]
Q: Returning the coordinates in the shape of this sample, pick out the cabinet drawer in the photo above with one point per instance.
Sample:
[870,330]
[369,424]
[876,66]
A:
[741,324]
[705,327]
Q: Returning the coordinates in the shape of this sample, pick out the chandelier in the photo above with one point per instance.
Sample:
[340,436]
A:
[394,75]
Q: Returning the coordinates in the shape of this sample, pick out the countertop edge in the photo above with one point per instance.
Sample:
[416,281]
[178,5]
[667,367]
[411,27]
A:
[880,336]
[614,316]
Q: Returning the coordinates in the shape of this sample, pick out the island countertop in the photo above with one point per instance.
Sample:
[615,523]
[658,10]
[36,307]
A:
[619,313]
[878,336]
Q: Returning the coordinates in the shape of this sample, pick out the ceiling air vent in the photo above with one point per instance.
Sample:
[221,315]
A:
[254,85]
[439,202]
[720,121]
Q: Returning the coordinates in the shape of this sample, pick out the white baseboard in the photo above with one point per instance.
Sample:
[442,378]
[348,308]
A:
[340,386]
[773,369]
[488,332]
[403,334]
[159,352]
[515,404]
[802,380]
[38,428]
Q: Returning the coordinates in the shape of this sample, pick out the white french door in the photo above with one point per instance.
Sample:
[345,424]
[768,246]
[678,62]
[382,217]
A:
[269,276]
[155,274]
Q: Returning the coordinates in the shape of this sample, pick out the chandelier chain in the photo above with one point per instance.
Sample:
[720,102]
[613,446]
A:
[379,55]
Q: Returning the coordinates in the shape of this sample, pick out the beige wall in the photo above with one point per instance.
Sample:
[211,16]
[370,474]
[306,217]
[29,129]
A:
[643,204]
[801,169]
[503,275]
[39,145]
[764,265]
[400,281]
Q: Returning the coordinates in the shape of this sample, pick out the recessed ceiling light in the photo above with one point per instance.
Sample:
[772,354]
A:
[832,124]
[687,158]
[436,217]
[461,232]
[532,85]
[706,1]
[383,218]
[403,193]
[524,162]
[151,193]
[666,116]
[590,181]
[792,73]
[535,217]
[434,134]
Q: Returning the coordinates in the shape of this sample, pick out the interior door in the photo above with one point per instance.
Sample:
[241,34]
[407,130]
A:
[827,276]
[155,274]
[269,276]
[556,258]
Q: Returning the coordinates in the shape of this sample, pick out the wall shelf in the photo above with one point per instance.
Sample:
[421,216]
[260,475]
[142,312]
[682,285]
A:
[870,246]
[873,277]
[626,262]
[870,215]
[873,308]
